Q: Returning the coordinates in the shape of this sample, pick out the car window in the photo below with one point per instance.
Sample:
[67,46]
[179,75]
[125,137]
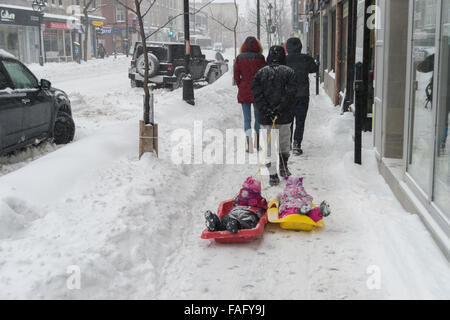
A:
[3,80]
[159,52]
[20,76]
[177,51]
[139,50]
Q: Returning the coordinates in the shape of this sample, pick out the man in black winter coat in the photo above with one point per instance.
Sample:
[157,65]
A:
[303,65]
[273,89]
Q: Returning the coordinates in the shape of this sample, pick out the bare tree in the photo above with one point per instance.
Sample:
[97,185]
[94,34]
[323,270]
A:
[140,13]
[279,19]
[141,9]
[232,28]
[87,8]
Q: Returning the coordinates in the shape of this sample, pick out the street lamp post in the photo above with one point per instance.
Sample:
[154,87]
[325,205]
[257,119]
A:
[188,85]
[39,6]
[258,21]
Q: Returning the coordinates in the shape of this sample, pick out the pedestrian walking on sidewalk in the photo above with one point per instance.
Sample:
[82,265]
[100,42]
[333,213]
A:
[248,62]
[303,65]
[274,88]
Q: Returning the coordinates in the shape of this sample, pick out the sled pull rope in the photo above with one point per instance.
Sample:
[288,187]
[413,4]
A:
[261,163]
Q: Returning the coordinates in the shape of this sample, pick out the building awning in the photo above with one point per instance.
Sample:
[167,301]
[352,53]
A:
[60,17]
[90,17]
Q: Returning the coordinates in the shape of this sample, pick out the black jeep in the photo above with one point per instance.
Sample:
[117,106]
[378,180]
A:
[166,65]
[30,111]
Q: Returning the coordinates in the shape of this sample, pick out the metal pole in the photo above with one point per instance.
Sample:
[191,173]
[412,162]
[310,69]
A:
[188,85]
[359,102]
[41,56]
[258,21]
[317,77]
[126,30]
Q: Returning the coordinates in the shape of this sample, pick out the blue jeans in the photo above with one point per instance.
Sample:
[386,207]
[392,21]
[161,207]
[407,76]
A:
[246,109]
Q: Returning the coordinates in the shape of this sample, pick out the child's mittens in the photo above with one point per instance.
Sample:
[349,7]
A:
[304,208]
[315,214]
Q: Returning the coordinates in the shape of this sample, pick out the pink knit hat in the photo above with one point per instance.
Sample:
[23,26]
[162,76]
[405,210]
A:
[252,184]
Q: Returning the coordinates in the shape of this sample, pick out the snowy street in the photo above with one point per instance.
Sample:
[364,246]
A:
[133,227]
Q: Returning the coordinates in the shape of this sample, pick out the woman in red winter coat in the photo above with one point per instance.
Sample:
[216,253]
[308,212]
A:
[248,62]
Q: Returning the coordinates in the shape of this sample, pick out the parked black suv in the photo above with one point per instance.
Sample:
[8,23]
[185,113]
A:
[166,61]
[30,110]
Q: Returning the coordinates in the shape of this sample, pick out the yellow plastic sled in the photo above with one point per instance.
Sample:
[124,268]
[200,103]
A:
[293,221]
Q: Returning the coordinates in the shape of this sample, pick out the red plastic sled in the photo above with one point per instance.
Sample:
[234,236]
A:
[243,235]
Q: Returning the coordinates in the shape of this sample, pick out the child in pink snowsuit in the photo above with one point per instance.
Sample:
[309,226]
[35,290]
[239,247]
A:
[249,207]
[295,200]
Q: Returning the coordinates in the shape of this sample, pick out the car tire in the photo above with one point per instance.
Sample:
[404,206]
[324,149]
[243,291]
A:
[153,65]
[212,77]
[64,128]
[133,84]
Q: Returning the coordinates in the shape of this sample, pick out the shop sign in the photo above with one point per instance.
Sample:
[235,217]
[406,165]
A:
[18,17]
[97,23]
[106,30]
[57,25]
[7,16]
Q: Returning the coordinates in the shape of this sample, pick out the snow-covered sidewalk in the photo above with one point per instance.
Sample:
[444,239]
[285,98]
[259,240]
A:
[133,227]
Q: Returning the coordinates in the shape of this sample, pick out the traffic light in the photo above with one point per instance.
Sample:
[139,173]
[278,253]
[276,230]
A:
[171,26]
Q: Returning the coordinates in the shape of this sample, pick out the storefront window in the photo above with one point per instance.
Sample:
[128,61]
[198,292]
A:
[422,133]
[442,170]
[21,78]
[51,44]
[61,43]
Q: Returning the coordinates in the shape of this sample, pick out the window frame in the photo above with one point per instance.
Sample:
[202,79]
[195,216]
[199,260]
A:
[11,82]
[5,72]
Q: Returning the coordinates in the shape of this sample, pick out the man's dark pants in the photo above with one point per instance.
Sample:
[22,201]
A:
[300,111]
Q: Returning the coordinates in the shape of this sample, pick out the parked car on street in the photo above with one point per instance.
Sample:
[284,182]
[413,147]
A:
[30,110]
[166,65]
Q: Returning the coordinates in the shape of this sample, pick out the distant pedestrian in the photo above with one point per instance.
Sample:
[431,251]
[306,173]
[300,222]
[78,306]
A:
[303,65]
[101,51]
[248,62]
[274,89]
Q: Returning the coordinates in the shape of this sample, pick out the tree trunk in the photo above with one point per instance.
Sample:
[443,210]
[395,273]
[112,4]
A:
[145,53]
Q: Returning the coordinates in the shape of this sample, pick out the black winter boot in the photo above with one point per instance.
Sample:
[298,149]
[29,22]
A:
[274,180]
[284,170]
[258,148]
[231,224]
[212,221]
[297,149]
